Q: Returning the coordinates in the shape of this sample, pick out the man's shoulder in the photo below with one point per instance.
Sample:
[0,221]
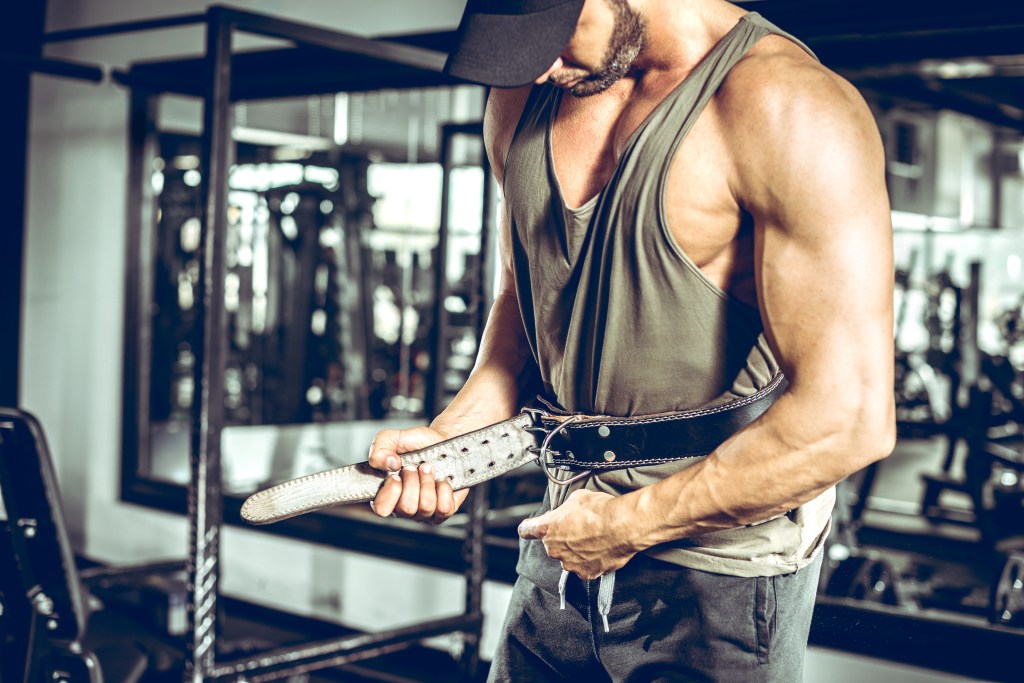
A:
[782,85]
[779,102]
[501,116]
[790,124]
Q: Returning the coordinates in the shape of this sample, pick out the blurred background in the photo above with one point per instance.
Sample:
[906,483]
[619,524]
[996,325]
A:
[344,176]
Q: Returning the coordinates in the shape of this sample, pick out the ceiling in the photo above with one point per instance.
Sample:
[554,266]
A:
[966,56]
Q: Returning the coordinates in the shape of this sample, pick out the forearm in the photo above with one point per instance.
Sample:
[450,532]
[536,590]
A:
[504,366]
[796,451]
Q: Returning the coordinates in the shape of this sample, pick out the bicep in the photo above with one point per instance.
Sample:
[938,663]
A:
[824,259]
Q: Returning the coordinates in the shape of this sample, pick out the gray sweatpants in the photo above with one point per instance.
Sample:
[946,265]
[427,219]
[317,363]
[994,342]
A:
[667,623]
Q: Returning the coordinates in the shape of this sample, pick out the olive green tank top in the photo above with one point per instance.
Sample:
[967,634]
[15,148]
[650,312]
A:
[621,322]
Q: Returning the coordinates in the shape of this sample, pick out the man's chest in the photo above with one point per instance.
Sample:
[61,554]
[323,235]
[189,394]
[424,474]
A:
[700,208]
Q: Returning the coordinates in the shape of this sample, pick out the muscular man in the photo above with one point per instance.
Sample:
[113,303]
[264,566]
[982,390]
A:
[693,205]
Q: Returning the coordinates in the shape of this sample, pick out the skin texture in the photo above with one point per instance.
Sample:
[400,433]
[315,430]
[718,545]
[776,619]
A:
[778,195]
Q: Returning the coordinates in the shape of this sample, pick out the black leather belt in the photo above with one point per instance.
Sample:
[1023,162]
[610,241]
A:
[556,440]
[586,442]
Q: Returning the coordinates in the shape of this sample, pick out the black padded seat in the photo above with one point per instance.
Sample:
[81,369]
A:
[63,627]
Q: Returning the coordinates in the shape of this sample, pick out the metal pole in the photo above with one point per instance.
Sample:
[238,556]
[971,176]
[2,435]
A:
[123,27]
[439,350]
[970,355]
[51,66]
[475,554]
[205,502]
[138,326]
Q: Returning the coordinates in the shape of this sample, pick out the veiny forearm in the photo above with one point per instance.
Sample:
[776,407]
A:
[786,458]
[504,366]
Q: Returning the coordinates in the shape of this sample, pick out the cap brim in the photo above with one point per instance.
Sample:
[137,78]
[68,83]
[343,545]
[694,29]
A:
[510,50]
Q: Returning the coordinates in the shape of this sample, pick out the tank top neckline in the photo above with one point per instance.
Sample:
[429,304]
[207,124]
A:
[583,209]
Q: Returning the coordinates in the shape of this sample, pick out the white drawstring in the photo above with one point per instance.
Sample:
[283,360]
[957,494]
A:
[605,588]
[604,596]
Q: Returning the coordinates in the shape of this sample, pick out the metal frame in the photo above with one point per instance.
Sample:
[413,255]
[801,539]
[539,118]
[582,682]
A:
[205,499]
[55,67]
[435,393]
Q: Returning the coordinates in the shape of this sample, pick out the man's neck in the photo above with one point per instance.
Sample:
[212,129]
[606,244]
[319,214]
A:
[680,33]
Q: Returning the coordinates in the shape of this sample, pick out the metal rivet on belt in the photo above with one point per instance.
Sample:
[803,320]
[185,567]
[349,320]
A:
[609,455]
[603,431]
[570,455]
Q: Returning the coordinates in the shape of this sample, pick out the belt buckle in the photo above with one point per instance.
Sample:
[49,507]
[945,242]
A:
[543,452]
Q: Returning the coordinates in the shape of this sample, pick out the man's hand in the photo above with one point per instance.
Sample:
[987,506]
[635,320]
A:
[582,534]
[411,492]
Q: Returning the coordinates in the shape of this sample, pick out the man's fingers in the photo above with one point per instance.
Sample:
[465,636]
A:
[409,502]
[428,493]
[448,501]
[387,496]
[411,491]
[384,451]
[445,502]
[535,527]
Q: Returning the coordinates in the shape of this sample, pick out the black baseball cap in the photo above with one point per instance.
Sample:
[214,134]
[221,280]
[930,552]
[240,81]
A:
[511,42]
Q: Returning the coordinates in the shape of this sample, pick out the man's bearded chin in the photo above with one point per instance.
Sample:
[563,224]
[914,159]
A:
[627,41]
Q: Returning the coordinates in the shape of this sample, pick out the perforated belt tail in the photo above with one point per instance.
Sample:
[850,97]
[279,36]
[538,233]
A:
[555,439]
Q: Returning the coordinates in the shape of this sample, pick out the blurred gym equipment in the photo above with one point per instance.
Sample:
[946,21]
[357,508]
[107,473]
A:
[57,629]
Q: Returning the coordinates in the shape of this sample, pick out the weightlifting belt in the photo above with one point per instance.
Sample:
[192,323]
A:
[557,440]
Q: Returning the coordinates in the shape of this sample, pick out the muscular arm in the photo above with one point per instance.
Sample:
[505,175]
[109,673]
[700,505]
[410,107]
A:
[494,389]
[811,175]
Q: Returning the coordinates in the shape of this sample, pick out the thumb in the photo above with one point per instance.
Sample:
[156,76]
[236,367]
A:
[535,527]
[415,438]
[390,443]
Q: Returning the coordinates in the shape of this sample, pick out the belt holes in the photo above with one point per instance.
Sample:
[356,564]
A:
[485,442]
[450,477]
[465,450]
[505,435]
[423,462]
[444,455]
[490,464]
[471,471]
[511,455]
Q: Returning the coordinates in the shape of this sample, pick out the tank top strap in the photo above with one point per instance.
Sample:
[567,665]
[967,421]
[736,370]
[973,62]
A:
[527,150]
